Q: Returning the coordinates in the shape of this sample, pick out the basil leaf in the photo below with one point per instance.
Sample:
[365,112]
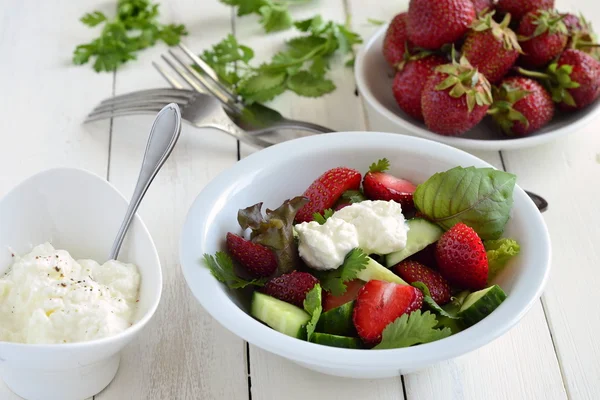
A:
[479,197]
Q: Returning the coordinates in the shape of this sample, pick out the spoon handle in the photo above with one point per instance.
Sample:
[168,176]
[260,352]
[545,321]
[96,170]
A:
[163,137]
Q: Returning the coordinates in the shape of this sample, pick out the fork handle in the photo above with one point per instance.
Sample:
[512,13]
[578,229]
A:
[302,125]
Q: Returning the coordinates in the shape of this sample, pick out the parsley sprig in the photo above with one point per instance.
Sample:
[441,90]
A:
[221,267]
[312,305]
[334,281]
[134,28]
[411,329]
[275,15]
[300,67]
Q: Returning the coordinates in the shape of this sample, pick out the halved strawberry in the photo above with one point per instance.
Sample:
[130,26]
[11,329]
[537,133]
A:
[257,260]
[326,190]
[352,287]
[291,287]
[461,257]
[412,271]
[379,185]
[379,303]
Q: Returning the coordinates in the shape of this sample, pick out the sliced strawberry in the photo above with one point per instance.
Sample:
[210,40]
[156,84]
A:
[379,303]
[352,287]
[379,185]
[326,190]
[412,271]
[291,287]
[461,257]
[256,259]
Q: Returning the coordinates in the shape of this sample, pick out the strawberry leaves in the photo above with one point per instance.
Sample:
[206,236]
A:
[411,329]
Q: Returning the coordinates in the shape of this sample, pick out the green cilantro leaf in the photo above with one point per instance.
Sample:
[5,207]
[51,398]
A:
[380,166]
[334,281]
[245,7]
[321,218]
[353,196]
[312,305]
[308,85]
[412,329]
[94,18]
[427,299]
[499,252]
[275,17]
[221,267]
[453,308]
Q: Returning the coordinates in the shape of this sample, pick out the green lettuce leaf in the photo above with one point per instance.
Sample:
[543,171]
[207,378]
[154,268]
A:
[479,197]
[498,253]
[312,305]
[412,329]
[275,230]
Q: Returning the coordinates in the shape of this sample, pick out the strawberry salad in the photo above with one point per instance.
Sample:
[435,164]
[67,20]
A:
[374,262]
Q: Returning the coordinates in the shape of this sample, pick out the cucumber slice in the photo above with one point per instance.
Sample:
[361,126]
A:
[374,270]
[279,315]
[336,341]
[421,234]
[479,305]
[337,321]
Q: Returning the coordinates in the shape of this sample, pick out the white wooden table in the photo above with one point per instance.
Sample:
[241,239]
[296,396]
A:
[552,354]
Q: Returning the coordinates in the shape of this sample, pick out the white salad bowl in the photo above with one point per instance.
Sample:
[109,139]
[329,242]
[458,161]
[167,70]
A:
[374,78]
[286,170]
[79,212]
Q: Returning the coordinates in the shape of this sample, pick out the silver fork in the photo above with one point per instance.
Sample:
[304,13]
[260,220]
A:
[248,117]
[198,109]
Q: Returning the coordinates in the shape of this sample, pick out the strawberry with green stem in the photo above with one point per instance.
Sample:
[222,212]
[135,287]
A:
[543,36]
[491,47]
[573,80]
[581,34]
[395,42]
[518,8]
[455,98]
[521,106]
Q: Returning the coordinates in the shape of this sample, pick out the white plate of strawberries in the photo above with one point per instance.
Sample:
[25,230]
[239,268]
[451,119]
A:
[482,75]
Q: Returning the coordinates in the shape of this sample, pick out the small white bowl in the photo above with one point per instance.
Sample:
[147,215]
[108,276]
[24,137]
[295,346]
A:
[79,212]
[286,170]
[374,79]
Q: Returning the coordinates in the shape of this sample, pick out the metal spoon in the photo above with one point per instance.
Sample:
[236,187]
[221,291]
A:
[163,137]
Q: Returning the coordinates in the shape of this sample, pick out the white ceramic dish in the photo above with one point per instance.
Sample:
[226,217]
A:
[374,79]
[286,170]
[81,213]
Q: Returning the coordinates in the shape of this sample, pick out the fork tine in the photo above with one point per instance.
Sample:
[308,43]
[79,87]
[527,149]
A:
[168,77]
[182,93]
[139,102]
[121,113]
[209,72]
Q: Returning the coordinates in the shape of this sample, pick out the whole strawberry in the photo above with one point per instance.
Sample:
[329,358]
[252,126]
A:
[410,80]
[379,303]
[256,259]
[380,185]
[518,8]
[482,6]
[573,80]
[412,271]
[433,23]
[461,257]
[543,36]
[490,47]
[521,106]
[291,288]
[324,192]
[455,98]
[581,35]
[396,40]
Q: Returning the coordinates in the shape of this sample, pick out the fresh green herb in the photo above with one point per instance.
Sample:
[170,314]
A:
[380,166]
[353,196]
[412,329]
[300,67]
[275,15]
[376,22]
[322,218]
[275,231]
[221,267]
[479,197]
[498,253]
[134,28]
[452,309]
[335,281]
[312,305]
[427,299]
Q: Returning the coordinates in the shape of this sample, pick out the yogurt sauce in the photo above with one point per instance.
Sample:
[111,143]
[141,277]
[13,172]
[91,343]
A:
[47,297]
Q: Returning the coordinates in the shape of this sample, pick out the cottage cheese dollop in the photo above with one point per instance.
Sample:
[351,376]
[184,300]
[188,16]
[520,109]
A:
[48,297]
[374,226]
